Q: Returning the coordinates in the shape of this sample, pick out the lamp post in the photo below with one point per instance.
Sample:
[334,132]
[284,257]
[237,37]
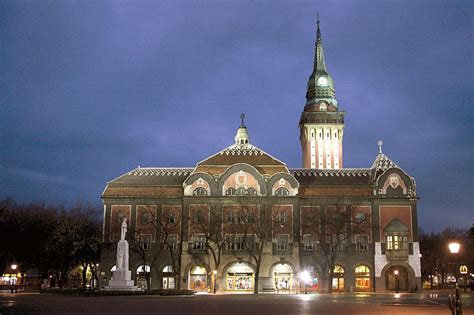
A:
[454,248]
[13,267]
[397,284]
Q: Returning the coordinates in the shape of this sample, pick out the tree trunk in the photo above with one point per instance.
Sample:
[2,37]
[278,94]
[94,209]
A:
[84,275]
[257,275]
[330,277]
[148,281]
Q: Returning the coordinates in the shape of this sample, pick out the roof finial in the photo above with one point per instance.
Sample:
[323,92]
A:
[242,117]
[380,144]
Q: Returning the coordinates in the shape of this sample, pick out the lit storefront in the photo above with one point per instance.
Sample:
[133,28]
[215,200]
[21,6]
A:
[240,278]
[10,278]
[362,278]
[198,279]
[338,278]
[282,277]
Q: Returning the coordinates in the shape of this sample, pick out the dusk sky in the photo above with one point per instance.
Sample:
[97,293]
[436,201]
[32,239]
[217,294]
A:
[91,89]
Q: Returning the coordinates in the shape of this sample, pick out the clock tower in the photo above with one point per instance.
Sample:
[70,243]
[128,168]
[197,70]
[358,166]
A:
[321,123]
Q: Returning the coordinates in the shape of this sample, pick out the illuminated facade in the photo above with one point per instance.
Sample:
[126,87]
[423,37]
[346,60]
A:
[239,184]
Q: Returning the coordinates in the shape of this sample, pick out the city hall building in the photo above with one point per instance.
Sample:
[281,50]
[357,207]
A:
[173,213]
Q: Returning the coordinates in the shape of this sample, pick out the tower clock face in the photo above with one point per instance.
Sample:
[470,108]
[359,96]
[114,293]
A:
[323,81]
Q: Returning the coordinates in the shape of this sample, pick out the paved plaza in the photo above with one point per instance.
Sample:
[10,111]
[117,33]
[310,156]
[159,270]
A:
[426,303]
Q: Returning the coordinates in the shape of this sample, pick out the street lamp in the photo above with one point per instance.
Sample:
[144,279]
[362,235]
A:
[13,267]
[397,284]
[457,307]
[305,277]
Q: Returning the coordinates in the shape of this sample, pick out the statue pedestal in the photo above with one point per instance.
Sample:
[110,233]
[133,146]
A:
[122,278]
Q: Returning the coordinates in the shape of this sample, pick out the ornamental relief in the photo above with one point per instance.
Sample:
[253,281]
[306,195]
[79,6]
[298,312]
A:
[199,183]
[394,184]
[283,184]
[241,181]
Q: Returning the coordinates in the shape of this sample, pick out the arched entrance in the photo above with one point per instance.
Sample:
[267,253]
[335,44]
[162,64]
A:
[338,278]
[142,272]
[240,277]
[362,278]
[282,277]
[396,278]
[198,279]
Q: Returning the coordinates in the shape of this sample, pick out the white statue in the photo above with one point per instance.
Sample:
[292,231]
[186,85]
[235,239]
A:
[123,229]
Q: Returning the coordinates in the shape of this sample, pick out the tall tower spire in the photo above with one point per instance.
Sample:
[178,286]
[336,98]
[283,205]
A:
[319,62]
[321,124]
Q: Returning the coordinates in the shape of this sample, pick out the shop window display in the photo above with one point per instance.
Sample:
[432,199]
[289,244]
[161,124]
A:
[240,278]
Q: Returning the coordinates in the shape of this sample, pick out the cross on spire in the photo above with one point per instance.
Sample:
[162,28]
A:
[380,144]
[242,117]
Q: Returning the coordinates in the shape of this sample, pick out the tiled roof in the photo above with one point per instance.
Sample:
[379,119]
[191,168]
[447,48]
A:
[360,172]
[154,176]
[161,171]
[241,153]
[241,149]
[383,163]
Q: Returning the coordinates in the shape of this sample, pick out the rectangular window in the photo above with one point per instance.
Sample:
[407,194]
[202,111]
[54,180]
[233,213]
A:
[171,218]
[199,217]
[230,242]
[361,243]
[145,241]
[240,218]
[281,217]
[171,242]
[309,243]
[337,241]
[239,242]
[282,242]
[397,242]
[199,242]
[230,216]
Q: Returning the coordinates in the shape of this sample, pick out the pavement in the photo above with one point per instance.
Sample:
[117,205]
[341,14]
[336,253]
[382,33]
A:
[338,303]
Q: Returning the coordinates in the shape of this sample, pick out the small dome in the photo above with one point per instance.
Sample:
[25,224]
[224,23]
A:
[242,136]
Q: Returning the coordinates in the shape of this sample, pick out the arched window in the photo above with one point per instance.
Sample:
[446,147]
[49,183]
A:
[241,191]
[362,277]
[338,278]
[200,191]
[231,191]
[282,191]
[168,268]
[143,269]
[251,191]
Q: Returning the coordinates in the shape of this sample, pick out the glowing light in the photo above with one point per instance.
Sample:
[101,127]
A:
[397,295]
[14,266]
[305,276]
[454,247]
[396,272]
[214,272]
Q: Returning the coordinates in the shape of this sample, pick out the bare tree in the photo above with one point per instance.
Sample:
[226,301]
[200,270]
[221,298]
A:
[166,225]
[333,226]
[254,227]
[209,224]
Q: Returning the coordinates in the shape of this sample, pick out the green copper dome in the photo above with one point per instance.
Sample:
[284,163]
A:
[320,82]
